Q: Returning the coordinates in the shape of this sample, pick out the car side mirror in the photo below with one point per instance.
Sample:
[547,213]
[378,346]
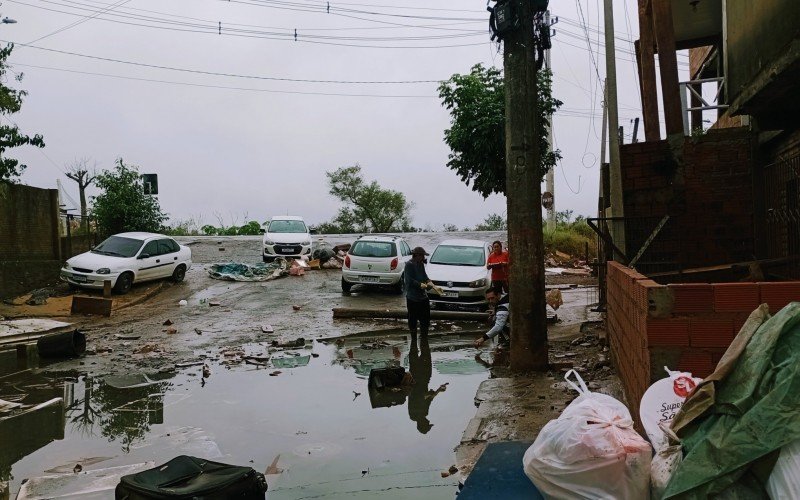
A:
[143,256]
[262,231]
[313,230]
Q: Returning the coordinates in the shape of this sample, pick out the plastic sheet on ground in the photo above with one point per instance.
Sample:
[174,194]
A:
[86,485]
[237,271]
[734,424]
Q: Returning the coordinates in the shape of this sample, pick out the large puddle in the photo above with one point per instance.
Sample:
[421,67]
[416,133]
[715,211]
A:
[315,421]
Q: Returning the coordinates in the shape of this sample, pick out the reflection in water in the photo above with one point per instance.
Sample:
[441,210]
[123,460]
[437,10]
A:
[420,398]
[121,408]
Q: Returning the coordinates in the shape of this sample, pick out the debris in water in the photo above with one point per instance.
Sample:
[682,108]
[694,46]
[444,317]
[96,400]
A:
[355,395]
[213,303]
[183,303]
[77,468]
[365,472]
[297,307]
[275,374]
[445,473]
[267,329]
[122,336]
[206,371]
[188,364]
[198,331]
[453,469]
[167,322]
[314,355]
[171,331]
[273,467]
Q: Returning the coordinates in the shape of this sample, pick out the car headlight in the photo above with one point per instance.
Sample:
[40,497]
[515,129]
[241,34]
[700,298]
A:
[269,242]
[477,283]
[66,265]
[103,270]
[306,243]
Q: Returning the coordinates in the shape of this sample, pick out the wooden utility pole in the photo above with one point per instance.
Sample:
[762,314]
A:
[615,169]
[647,72]
[523,195]
[668,64]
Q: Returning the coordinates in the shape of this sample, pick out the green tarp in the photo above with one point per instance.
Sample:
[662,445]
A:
[751,409]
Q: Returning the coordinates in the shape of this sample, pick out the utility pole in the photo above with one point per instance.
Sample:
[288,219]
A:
[615,170]
[550,184]
[523,195]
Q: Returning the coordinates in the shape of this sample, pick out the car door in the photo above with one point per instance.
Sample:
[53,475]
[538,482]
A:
[148,261]
[168,251]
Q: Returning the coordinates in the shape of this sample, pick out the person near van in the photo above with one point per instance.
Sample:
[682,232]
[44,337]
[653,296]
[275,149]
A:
[498,263]
[415,284]
[501,326]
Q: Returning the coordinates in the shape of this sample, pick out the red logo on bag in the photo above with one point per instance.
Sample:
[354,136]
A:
[683,386]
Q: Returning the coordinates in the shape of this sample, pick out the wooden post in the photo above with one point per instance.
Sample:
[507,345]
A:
[668,62]
[107,289]
[647,73]
[523,197]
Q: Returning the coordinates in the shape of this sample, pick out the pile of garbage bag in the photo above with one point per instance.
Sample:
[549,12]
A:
[237,271]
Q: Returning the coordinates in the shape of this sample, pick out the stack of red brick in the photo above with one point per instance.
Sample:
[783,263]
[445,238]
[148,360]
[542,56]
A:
[683,326]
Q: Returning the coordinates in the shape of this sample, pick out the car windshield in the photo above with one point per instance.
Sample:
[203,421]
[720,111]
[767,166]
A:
[118,247]
[453,255]
[373,249]
[287,226]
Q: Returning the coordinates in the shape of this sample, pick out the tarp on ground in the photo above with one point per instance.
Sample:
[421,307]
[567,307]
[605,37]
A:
[237,271]
[734,425]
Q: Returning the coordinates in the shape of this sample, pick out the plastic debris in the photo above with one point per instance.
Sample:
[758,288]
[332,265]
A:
[235,271]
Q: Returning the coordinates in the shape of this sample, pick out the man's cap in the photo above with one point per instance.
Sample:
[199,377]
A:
[419,251]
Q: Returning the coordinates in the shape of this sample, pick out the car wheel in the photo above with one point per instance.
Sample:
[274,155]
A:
[346,286]
[124,283]
[179,273]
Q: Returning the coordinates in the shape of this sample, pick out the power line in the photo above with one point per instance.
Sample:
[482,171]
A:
[72,25]
[217,73]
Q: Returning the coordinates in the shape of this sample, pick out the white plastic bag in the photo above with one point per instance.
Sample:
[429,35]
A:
[666,460]
[662,401]
[591,451]
[784,482]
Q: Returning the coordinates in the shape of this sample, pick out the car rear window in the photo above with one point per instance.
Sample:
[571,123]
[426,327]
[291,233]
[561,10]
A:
[373,249]
[118,247]
[287,226]
[453,255]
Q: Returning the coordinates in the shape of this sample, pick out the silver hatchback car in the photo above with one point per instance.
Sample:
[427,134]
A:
[376,260]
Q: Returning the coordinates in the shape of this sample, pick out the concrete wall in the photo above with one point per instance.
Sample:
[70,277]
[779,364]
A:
[30,254]
[682,326]
[757,32]
[708,195]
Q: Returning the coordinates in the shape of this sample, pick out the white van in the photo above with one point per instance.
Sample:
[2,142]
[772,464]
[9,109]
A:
[286,236]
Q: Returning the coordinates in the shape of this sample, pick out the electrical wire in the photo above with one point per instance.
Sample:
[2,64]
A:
[81,21]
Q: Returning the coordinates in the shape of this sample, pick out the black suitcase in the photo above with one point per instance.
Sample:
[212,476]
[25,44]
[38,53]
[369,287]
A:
[193,478]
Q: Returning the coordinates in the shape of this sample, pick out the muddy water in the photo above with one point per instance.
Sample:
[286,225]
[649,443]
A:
[331,437]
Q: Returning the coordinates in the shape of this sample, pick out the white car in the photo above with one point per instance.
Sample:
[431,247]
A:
[458,267]
[286,236]
[376,260]
[126,258]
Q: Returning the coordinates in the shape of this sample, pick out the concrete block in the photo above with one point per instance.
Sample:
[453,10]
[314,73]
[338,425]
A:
[91,305]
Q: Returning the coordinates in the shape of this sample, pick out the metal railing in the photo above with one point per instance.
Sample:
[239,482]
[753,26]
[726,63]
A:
[692,90]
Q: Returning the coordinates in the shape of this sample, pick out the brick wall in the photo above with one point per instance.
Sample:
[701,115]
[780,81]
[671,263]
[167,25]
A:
[708,195]
[682,326]
[29,238]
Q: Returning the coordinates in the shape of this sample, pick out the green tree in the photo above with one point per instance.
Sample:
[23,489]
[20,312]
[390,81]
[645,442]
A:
[10,136]
[477,138]
[493,222]
[123,206]
[368,207]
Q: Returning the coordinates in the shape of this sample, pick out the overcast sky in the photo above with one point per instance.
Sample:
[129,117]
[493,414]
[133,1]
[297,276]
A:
[257,147]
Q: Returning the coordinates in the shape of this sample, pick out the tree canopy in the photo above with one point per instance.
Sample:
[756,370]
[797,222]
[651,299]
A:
[477,138]
[367,206]
[122,205]
[10,136]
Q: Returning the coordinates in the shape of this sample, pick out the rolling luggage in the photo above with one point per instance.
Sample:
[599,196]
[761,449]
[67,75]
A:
[193,478]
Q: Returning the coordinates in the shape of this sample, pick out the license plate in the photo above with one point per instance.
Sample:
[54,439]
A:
[369,279]
[453,295]
[79,278]
[287,250]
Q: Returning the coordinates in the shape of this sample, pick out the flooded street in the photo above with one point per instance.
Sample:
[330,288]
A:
[316,421]
[210,384]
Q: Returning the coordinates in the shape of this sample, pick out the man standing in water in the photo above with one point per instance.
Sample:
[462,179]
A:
[415,282]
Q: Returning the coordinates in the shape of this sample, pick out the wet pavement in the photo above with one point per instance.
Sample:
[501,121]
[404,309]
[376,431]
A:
[316,415]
